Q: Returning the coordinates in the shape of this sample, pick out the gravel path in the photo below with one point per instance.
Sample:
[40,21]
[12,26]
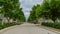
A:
[27,28]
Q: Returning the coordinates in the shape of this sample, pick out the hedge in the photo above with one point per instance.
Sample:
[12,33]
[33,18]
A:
[4,25]
[54,25]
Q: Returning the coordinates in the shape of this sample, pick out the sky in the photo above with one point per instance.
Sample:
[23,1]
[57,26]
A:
[27,5]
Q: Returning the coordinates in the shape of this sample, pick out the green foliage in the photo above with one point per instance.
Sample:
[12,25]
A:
[5,25]
[35,13]
[11,9]
[51,9]
[19,15]
[54,25]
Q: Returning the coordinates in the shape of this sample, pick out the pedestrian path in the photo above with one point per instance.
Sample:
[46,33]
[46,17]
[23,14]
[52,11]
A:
[27,28]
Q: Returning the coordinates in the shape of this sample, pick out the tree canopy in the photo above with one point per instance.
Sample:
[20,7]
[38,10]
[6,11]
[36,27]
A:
[34,13]
[11,9]
[49,9]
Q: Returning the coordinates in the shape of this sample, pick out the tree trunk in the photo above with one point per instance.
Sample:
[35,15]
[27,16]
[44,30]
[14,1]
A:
[8,20]
[54,21]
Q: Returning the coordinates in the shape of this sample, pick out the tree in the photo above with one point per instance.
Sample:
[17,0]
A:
[11,9]
[34,16]
[51,9]
[19,15]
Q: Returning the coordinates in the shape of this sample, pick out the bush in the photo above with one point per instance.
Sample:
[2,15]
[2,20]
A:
[54,25]
[7,25]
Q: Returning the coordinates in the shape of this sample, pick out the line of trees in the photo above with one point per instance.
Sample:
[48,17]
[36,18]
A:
[11,9]
[49,9]
[34,16]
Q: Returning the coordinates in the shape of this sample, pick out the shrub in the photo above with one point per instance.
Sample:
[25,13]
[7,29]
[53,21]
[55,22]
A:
[7,25]
[54,25]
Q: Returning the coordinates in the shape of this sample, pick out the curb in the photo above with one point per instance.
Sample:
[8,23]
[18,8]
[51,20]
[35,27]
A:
[51,29]
[8,28]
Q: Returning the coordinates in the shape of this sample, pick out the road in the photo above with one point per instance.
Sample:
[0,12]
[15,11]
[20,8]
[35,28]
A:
[27,28]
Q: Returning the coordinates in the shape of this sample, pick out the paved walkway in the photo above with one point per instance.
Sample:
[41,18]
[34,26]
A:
[27,28]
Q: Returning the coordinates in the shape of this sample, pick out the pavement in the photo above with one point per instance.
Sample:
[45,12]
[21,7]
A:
[27,28]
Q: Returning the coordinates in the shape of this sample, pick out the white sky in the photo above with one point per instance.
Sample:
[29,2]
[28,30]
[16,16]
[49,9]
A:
[28,4]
